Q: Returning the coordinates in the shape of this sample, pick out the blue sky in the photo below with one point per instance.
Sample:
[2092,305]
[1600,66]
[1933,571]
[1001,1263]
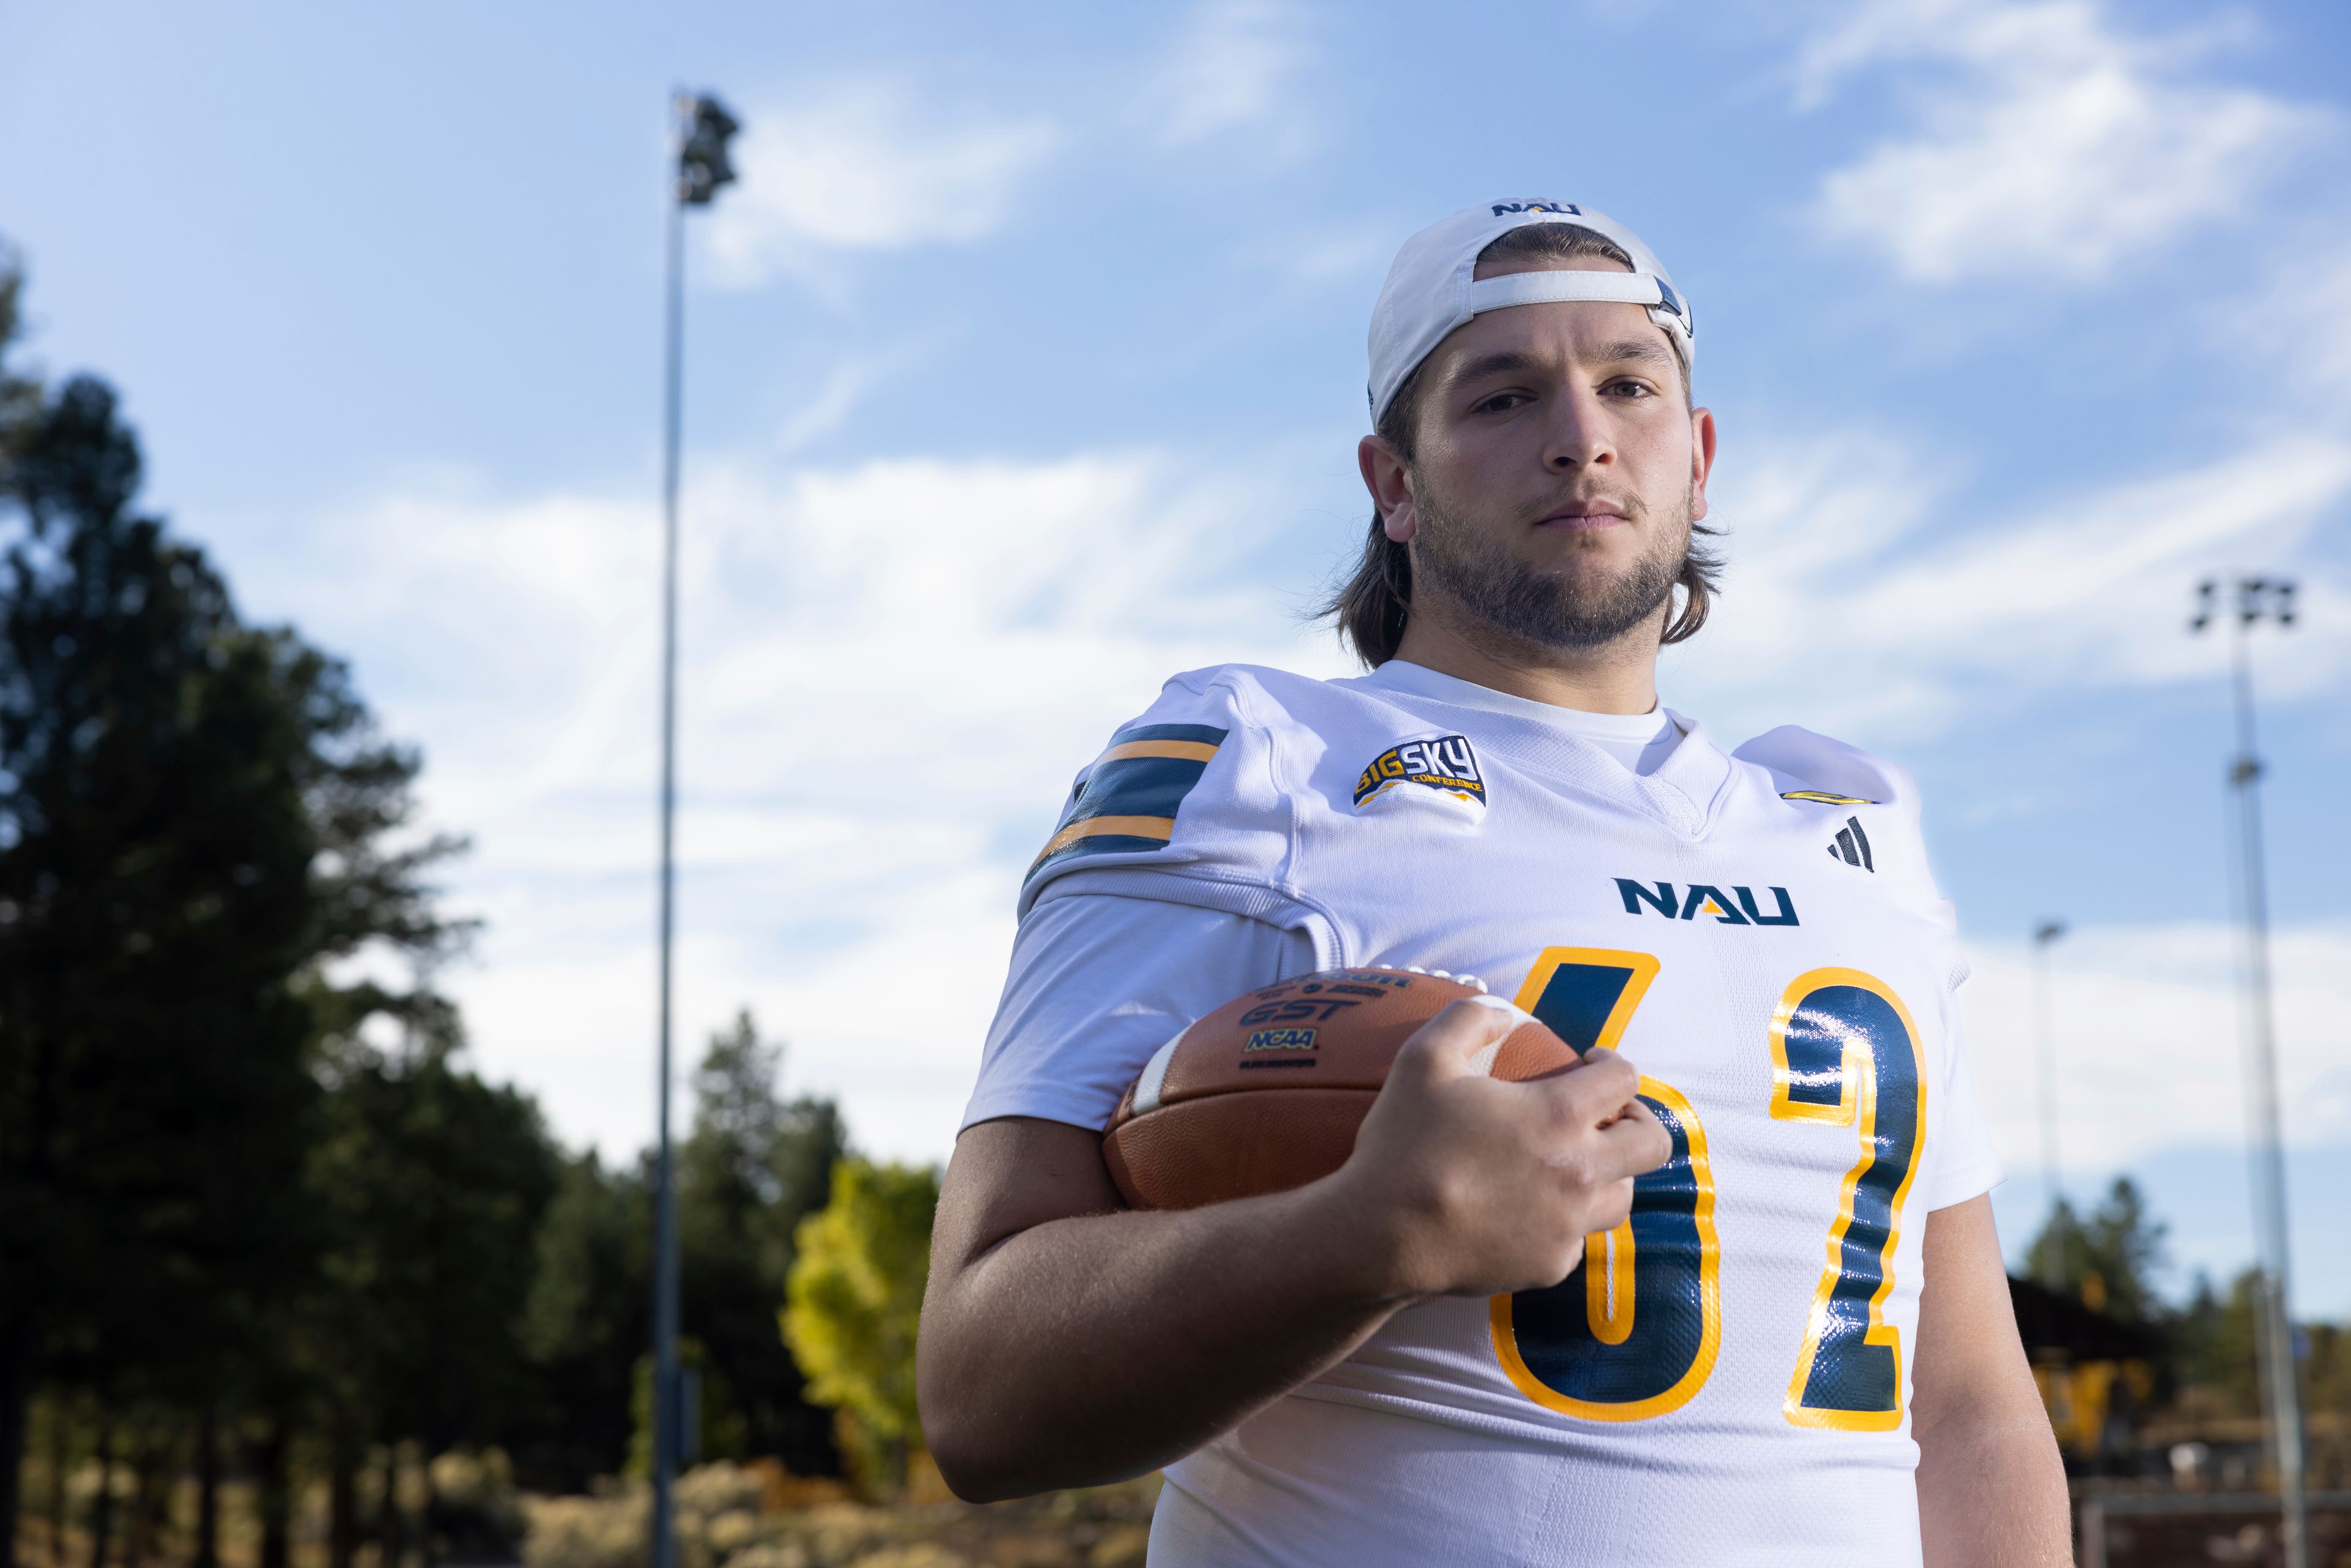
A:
[1026,367]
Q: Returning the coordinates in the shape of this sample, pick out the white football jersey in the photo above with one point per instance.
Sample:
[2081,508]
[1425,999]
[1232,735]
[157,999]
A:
[1726,1377]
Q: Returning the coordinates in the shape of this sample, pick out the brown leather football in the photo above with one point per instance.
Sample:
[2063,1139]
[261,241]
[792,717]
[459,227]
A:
[1265,1093]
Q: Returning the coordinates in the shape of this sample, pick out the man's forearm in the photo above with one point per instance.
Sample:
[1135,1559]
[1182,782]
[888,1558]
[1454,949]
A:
[1991,1492]
[1097,1347]
[1992,1487]
[1067,1341]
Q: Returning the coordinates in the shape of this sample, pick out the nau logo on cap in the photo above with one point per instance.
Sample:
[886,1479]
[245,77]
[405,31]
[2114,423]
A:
[1736,907]
[1444,763]
[1566,209]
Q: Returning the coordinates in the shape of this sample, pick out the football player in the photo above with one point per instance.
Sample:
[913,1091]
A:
[1742,1304]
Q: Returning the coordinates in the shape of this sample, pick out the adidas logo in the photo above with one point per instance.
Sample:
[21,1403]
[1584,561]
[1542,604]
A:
[1851,846]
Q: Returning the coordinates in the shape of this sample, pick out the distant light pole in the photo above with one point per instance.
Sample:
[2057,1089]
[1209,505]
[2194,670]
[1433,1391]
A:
[2262,599]
[2053,1262]
[701,130]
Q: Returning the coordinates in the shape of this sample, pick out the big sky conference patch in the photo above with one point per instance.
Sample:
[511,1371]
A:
[1444,763]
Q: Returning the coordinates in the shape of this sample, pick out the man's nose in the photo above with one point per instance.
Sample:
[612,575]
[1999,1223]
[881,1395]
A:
[1577,433]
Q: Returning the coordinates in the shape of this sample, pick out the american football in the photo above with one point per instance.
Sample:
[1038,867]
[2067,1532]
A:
[1265,1093]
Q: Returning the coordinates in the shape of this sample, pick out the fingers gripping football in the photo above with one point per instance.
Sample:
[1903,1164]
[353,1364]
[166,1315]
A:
[1462,1143]
[1490,1186]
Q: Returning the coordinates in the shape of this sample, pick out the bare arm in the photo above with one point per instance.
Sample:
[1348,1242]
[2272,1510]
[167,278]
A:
[1991,1489]
[1067,1340]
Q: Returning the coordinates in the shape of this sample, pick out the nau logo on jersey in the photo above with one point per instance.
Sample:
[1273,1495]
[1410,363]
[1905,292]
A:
[1736,908]
[1444,763]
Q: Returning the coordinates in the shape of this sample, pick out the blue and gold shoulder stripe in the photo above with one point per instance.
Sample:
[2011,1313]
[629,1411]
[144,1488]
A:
[1127,803]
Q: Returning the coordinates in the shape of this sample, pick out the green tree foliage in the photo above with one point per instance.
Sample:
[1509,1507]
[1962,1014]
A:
[714,1428]
[436,1184]
[193,821]
[2215,1338]
[855,1298]
[751,1169]
[2326,1370]
[152,905]
[239,1224]
[2109,1259]
[586,1322]
[20,394]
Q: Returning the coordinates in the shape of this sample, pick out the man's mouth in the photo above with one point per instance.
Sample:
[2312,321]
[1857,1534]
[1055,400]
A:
[1583,517]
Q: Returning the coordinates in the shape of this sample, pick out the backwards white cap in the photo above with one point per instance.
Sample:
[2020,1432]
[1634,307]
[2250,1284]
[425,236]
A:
[1430,291]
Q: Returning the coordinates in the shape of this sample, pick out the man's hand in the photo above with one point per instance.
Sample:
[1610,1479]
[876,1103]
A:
[1066,1342]
[1487,1187]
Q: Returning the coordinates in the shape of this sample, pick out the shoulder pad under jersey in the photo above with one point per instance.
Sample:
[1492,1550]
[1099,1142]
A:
[1814,772]
[1185,790]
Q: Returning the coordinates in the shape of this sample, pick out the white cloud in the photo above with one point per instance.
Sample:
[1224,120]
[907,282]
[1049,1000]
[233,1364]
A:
[891,669]
[867,166]
[2063,146]
[1234,69]
[2150,1079]
[1317,256]
[2145,1020]
[1838,567]
[2318,299]
[2299,315]
[888,673]
[846,387]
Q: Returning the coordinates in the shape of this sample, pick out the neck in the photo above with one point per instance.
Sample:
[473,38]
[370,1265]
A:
[1619,676]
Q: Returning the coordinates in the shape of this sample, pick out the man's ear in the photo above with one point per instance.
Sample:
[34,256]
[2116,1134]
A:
[1701,458]
[1388,477]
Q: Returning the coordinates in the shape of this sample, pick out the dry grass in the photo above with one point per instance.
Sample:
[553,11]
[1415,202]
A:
[726,1520]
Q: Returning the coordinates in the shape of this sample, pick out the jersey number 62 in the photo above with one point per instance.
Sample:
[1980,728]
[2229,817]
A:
[1634,1330]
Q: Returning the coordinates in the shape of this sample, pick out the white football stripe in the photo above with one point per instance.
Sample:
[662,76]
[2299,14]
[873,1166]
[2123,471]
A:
[1483,1063]
[1155,1075]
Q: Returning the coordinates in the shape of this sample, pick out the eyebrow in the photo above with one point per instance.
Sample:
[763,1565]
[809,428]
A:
[1507,361]
[1641,349]
[1513,362]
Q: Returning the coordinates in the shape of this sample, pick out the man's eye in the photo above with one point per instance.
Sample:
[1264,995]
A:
[1502,403]
[1627,387]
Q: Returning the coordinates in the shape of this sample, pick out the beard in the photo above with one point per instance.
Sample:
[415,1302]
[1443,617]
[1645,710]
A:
[1561,608]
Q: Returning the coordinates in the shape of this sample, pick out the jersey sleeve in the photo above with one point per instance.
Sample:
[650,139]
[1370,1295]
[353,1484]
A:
[1961,1163]
[1098,983]
[1184,805]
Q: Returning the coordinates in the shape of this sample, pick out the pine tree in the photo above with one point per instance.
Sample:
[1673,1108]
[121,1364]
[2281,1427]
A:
[2108,1259]
[193,816]
[436,1184]
[751,1170]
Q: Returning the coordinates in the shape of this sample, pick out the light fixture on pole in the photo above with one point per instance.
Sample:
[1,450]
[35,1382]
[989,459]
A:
[2260,598]
[2053,1259]
[702,128]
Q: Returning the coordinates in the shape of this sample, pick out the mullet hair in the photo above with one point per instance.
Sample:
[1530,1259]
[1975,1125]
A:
[1371,607]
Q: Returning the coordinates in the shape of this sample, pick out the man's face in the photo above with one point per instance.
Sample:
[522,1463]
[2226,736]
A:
[1557,468]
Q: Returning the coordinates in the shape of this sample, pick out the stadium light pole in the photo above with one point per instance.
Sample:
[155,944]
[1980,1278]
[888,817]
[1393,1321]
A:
[2052,1264]
[700,131]
[2260,598]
